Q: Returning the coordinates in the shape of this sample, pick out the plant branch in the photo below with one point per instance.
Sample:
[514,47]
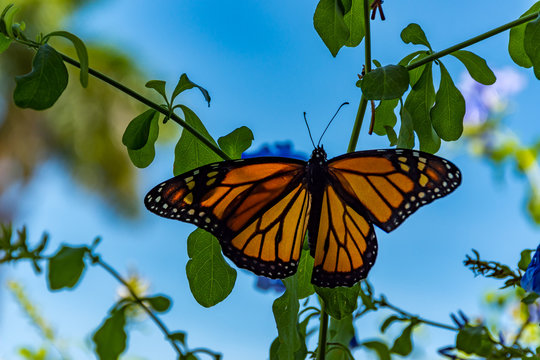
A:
[472,41]
[97,260]
[363,101]
[384,303]
[141,99]
[323,331]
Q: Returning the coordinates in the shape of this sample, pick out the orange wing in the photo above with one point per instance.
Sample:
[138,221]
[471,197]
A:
[257,208]
[389,185]
[346,246]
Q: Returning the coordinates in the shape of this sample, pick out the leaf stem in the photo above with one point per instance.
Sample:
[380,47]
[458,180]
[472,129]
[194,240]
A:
[384,303]
[97,260]
[323,331]
[367,62]
[139,98]
[472,41]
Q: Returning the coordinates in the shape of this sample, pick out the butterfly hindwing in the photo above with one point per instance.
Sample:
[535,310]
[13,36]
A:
[346,246]
[257,208]
[389,185]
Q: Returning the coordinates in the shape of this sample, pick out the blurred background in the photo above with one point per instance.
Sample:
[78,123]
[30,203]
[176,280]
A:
[65,171]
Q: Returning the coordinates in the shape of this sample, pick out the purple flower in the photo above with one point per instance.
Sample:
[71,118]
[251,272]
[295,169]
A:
[531,279]
[266,284]
[282,149]
[482,101]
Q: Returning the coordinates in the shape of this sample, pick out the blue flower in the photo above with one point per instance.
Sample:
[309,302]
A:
[531,279]
[264,283]
[282,149]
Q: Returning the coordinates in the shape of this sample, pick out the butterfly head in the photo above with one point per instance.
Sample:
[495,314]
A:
[318,156]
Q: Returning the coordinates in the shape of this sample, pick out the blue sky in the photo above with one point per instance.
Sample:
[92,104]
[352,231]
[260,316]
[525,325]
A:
[264,65]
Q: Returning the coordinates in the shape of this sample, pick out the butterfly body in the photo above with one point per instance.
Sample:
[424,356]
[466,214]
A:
[260,209]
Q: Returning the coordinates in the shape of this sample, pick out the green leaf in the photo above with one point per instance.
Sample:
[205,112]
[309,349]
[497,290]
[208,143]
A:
[303,274]
[531,43]
[274,348]
[7,16]
[385,83]
[236,142]
[185,84]
[530,298]
[341,332]
[110,338]
[385,116]
[80,48]
[144,156]
[210,278]
[66,267]
[473,340]
[406,131]
[354,20]
[330,25]
[476,66]
[380,348]
[414,34]
[158,86]
[403,344]
[159,303]
[341,301]
[48,79]
[418,104]
[449,110]
[391,134]
[516,43]
[389,320]
[178,336]
[190,153]
[525,259]
[409,58]
[4,43]
[285,309]
[138,130]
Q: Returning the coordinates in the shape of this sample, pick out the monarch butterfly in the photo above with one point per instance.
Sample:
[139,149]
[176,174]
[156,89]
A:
[261,208]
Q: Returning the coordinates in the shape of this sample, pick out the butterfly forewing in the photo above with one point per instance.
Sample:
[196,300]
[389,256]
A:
[390,185]
[249,205]
[346,246]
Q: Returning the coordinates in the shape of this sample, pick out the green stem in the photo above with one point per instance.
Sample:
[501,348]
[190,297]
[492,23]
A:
[323,331]
[384,303]
[363,101]
[151,104]
[472,41]
[139,98]
[97,260]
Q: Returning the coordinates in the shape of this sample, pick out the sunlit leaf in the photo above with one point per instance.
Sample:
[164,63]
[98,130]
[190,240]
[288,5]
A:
[476,66]
[418,104]
[330,25]
[110,338]
[236,142]
[190,153]
[340,302]
[385,116]
[385,83]
[531,43]
[525,259]
[138,130]
[403,344]
[80,48]
[4,43]
[354,20]
[414,34]
[210,278]
[159,303]
[380,348]
[473,340]
[341,332]
[185,84]
[516,43]
[158,86]
[66,267]
[305,268]
[285,309]
[48,79]
[144,156]
[449,110]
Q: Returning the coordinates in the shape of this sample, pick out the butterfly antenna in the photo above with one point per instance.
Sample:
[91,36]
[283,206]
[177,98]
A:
[332,119]
[309,131]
